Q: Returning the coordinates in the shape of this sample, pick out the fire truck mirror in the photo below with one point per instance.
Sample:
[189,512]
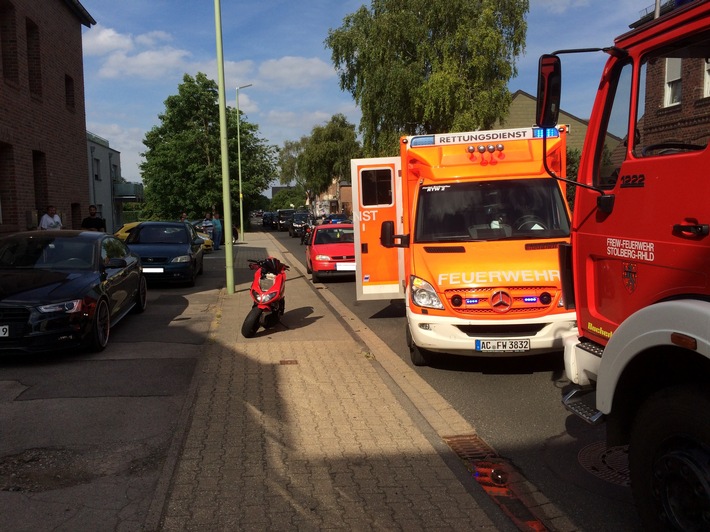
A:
[549,85]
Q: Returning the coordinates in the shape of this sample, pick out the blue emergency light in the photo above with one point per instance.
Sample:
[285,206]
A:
[550,132]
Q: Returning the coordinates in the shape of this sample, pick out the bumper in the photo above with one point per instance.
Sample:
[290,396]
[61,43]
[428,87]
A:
[50,334]
[445,334]
[334,268]
[169,272]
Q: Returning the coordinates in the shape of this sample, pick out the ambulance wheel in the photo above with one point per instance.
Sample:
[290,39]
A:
[669,459]
[419,356]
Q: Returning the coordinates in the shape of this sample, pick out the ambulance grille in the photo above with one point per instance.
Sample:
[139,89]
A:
[481,301]
[445,249]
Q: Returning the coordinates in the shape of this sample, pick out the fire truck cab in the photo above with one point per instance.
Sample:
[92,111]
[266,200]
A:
[638,264]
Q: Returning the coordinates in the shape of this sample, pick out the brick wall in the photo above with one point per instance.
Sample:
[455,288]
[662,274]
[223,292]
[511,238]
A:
[42,139]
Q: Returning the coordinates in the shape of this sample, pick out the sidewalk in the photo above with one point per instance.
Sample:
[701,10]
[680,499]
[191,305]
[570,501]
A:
[311,426]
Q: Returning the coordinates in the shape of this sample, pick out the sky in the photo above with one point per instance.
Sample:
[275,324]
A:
[139,50]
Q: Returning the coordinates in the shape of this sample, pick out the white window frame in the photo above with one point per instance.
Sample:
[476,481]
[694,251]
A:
[673,87]
[706,77]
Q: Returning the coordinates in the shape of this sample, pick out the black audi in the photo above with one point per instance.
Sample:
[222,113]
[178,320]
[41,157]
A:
[61,289]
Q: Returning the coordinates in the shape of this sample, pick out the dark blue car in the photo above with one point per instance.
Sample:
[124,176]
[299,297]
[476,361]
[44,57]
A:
[169,251]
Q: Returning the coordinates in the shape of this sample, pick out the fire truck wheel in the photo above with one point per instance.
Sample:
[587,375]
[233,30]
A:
[669,459]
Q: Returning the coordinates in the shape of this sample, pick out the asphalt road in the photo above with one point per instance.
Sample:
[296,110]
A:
[514,404]
[84,437]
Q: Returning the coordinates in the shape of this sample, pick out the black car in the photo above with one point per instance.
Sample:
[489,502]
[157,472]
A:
[298,222]
[62,289]
[267,219]
[282,216]
[169,251]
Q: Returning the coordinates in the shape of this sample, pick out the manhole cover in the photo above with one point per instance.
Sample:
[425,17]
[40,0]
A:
[607,463]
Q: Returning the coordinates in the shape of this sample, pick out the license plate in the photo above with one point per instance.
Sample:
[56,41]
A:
[4,331]
[503,345]
[345,266]
[152,270]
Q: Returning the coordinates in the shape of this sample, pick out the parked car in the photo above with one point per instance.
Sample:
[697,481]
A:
[330,251]
[267,219]
[337,219]
[298,222]
[123,231]
[282,216]
[170,251]
[208,246]
[65,289]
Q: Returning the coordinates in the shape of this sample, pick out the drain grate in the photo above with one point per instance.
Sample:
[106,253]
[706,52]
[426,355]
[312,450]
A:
[607,463]
[288,362]
[498,478]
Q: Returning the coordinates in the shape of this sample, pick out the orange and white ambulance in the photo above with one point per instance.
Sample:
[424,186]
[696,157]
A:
[466,227]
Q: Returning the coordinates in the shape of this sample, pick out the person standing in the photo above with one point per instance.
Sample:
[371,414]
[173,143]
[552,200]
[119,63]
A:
[217,229]
[50,220]
[207,225]
[93,222]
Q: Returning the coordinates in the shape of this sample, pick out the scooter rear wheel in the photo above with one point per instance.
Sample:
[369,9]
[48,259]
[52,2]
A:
[251,322]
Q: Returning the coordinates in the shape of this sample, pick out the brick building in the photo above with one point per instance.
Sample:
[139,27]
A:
[42,118]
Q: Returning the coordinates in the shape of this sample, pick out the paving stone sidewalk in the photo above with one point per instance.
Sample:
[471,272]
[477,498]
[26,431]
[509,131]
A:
[298,428]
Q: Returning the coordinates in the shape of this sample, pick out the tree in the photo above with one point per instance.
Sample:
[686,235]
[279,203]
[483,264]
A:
[284,199]
[326,155]
[182,170]
[428,66]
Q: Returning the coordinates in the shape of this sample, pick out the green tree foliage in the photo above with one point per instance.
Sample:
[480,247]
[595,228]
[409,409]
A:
[182,170]
[573,156]
[326,155]
[285,198]
[428,66]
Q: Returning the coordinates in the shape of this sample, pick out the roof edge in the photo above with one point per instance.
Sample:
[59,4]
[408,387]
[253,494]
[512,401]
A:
[80,11]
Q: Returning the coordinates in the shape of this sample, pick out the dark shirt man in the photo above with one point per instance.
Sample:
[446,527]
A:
[93,222]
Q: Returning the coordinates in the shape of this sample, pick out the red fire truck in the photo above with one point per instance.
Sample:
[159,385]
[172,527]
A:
[637,269]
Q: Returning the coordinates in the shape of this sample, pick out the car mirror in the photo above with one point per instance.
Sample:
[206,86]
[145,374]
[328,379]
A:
[115,264]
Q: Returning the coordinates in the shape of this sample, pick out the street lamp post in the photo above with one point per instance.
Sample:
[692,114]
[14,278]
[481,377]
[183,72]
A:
[239,168]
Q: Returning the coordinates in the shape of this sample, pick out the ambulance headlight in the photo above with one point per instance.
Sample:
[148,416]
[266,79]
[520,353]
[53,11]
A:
[423,294]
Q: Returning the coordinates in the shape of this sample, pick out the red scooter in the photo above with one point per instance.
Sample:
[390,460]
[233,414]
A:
[267,291]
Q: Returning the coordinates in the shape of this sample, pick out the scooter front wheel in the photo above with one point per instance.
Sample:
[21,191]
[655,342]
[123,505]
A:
[251,322]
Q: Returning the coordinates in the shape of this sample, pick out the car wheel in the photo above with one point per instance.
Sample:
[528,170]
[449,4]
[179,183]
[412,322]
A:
[669,459]
[251,322]
[100,327]
[141,296]
[315,277]
[308,268]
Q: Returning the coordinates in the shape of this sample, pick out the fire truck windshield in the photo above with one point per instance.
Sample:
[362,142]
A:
[518,209]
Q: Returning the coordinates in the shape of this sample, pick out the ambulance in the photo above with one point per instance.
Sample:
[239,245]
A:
[466,227]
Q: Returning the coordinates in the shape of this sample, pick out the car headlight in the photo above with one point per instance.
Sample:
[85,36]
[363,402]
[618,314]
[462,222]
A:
[68,307]
[423,294]
[181,258]
[322,257]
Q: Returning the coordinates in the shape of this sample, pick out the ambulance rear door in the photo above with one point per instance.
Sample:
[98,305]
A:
[377,197]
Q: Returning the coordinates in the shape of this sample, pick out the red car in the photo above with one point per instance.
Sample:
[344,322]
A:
[330,251]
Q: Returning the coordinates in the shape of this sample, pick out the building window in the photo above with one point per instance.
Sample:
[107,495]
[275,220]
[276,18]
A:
[34,64]
[97,169]
[8,42]
[69,92]
[706,76]
[673,82]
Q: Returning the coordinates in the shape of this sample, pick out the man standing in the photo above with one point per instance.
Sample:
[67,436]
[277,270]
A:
[93,222]
[207,225]
[217,226]
[50,220]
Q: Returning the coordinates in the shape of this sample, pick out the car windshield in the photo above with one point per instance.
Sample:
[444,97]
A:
[335,236]
[160,234]
[300,217]
[492,210]
[46,252]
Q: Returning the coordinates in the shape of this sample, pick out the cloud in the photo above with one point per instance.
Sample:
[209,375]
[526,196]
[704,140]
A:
[560,6]
[101,41]
[153,38]
[152,64]
[295,72]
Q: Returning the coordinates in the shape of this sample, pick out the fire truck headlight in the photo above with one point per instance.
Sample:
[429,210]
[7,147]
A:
[423,294]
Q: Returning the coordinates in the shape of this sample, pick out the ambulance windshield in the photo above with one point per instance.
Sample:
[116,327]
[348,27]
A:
[515,209]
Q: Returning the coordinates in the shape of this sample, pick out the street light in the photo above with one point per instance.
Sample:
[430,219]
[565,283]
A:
[239,168]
